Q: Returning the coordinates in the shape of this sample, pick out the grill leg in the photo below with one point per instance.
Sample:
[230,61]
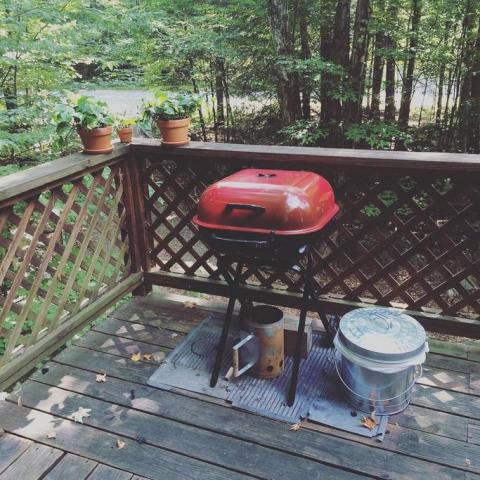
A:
[226,326]
[300,332]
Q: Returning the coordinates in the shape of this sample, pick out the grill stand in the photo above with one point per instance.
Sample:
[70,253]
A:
[226,259]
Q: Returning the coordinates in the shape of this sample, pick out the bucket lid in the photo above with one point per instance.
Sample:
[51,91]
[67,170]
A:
[382,334]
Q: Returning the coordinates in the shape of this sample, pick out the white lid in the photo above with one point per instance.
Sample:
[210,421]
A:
[382,334]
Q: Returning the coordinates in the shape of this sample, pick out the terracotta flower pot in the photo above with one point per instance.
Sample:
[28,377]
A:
[125,134]
[174,132]
[97,140]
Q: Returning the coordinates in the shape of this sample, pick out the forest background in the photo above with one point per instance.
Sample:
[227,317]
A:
[382,74]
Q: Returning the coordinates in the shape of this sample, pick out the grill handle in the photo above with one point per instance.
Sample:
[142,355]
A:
[243,206]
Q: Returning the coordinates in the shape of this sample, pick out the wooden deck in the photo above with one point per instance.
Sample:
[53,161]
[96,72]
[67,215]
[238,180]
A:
[175,435]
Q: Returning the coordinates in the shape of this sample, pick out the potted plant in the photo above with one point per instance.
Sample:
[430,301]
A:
[90,118]
[125,129]
[172,113]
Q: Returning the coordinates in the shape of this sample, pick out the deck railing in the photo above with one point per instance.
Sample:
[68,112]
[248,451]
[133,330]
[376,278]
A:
[79,233]
[408,235]
[65,252]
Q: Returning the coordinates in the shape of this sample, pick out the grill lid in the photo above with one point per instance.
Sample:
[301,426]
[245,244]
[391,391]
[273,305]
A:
[382,334]
[263,201]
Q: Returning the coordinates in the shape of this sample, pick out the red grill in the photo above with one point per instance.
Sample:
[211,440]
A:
[266,218]
[265,209]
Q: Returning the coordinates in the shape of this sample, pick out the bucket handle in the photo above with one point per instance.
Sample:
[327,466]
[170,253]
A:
[418,374]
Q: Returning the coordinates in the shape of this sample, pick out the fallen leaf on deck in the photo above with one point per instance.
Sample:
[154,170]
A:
[158,357]
[101,377]
[148,356]
[51,435]
[136,357]
[369,422]
[296,426]
[173,335]
[120,444]
[3,396]
[80,414]
[189,304]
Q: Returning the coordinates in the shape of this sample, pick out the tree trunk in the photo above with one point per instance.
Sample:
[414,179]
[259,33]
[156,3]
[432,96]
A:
[335,48]
[10,93]
[469,110]
[440,87]
[407,87]
[288,93]
[378,65]
[353,108]
[306,54]
[219,93]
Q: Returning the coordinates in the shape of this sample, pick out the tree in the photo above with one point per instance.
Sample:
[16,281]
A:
[353,107]
[282,29]
[407,86]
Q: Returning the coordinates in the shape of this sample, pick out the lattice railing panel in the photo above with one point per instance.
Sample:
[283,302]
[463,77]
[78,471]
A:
[60,250]
[403,238]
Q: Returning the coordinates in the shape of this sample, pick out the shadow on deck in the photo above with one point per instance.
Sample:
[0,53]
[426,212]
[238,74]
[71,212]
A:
[147,433]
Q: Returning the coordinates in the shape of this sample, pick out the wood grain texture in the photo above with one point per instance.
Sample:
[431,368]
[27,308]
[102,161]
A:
[32,465]
[340,157]
[11,447]
[246,426]
[71,467]
[50,174]
[100,446]
[432,438]
[104,472]
[205,445]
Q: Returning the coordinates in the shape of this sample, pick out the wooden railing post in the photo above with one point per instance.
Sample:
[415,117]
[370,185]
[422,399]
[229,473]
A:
[135,209]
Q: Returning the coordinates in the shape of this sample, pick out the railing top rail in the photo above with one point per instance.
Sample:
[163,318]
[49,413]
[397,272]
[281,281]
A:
[16,185]
[428,161]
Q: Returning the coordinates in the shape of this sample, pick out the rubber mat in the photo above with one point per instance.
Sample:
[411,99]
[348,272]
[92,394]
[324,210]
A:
[319,395]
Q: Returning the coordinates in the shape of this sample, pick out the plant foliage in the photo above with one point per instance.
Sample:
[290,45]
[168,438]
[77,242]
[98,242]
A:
[171,106]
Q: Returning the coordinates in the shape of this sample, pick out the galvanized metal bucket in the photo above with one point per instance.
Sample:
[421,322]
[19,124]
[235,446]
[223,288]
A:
[379,352]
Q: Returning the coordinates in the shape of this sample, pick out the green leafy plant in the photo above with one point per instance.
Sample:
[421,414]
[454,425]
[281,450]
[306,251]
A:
[376,135]
[171,106]
[304,132]
[81,112]
[125,122]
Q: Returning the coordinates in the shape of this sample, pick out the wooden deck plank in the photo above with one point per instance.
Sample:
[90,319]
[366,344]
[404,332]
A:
[100,446]
[440,399]
[194,442]
[251,427]
[153,313]
[450,363]
[156,317]
[447,401]
[416,417]
[144,333]
[71,466]
[474,432]
[120,346]
[104,472]
[183,435]
[33,463]
[98,362]
[120,391]
[11,447]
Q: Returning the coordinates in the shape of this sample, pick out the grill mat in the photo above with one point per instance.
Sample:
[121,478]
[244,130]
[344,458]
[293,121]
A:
[318,397]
